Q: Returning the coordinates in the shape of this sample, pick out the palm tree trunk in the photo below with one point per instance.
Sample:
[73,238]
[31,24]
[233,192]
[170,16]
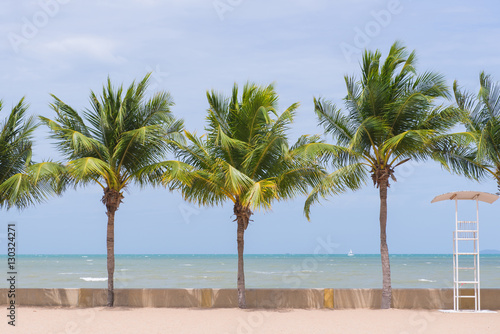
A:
[242,218]
[112,199]
[241,271]
[384,251]
[110,245]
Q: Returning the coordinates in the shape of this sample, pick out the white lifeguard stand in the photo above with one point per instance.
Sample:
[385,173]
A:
[466,248]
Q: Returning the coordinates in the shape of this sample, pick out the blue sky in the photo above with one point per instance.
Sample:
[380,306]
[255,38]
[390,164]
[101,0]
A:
[68,47]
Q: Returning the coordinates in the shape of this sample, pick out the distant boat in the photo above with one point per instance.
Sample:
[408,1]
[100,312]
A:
[350,253]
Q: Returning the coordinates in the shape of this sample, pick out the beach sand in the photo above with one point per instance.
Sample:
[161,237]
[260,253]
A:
[121,320]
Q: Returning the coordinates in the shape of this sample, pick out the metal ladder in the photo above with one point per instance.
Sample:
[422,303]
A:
[466,263]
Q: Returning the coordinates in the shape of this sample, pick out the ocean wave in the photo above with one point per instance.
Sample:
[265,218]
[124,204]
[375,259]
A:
[197,277]
[426,280]
[94,279]
[186,265]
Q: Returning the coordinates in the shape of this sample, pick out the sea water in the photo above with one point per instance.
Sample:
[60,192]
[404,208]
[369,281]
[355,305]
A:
[261,271]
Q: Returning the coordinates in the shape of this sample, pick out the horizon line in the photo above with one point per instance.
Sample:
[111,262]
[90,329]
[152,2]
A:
[267,254]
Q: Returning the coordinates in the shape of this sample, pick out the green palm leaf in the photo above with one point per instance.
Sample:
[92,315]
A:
[482,121]
[22,182]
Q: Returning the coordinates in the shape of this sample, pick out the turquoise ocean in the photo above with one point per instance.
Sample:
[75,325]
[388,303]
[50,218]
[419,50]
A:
[261,271]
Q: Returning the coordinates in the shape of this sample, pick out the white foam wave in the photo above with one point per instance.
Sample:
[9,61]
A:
[94,279]
[426,280]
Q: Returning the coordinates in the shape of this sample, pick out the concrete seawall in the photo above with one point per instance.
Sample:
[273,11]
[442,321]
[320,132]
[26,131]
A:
[256,298]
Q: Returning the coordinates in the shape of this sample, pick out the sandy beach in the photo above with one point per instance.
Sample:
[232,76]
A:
[228,321]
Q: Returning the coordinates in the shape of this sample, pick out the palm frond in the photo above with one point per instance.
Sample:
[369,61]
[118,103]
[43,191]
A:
[119,137]
[170,173]
[390,117]
[245,155]
[482,120]
[350,177]
[334,122]
[23,182]
[92,170]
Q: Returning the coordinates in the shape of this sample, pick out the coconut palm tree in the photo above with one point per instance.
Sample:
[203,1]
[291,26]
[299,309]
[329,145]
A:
[482,122]
[22,182]
[245,157]
[391,118]
[109,144]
